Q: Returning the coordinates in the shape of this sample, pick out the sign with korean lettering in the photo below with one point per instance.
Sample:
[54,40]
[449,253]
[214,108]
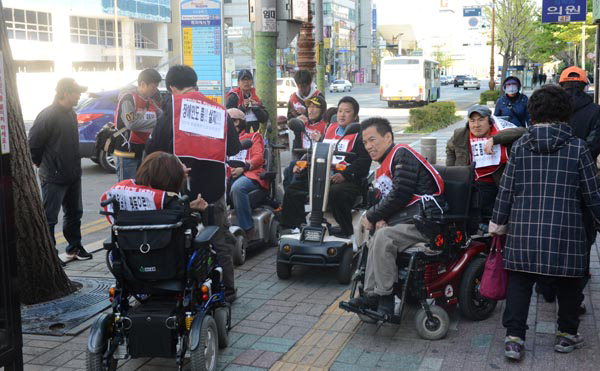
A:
[4,137]
[564,11]
[202,44]
[201,119]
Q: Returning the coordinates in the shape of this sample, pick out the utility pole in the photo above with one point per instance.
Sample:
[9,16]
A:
[265,46]
[492,83]
[320,50]
[583,46]
[116,32]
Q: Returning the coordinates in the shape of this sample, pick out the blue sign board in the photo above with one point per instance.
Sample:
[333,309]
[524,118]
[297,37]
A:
[374,19]
[563,11]
[469,11]
[202,39]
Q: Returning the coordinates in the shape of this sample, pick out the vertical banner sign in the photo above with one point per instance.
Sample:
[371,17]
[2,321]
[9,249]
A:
[564,11]
[4,139]
[202,39]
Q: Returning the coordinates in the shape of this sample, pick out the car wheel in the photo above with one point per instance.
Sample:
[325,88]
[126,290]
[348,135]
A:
[107,161]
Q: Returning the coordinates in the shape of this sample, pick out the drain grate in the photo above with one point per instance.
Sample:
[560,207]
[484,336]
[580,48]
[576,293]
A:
[60,316]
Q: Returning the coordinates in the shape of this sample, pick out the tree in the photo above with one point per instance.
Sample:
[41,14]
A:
[443,57]
[41,277]
[515,23]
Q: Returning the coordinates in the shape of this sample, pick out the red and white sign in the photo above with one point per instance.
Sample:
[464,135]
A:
[4,137]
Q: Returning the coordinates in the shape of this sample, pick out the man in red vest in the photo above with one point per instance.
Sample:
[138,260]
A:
[134,120]
[406,184]
[306,90]
[245,99]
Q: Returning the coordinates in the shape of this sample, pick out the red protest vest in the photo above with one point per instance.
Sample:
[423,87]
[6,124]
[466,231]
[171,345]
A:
[297,102]
[311,128]
[255,156]
[134,197]
[144,106]
[240,94]
[384,174]
[345,145]
[199,127]
[484,173]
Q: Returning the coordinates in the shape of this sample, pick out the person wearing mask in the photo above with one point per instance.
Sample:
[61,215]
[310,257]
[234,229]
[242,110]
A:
[245,99]
[345,184]
[198,131]
[484,141]
[134,120]
[513,104]
[550,176]
[306,90]
[54,146]
[247,178]
[402,180]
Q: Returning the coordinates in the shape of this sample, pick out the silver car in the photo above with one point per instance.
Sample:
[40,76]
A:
[340,85]
[471,83]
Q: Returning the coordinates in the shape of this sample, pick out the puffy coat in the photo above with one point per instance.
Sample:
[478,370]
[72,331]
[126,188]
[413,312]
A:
[514,108]
[549,175]
[585,120]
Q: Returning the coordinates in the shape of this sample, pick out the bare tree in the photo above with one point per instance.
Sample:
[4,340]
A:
[41,277]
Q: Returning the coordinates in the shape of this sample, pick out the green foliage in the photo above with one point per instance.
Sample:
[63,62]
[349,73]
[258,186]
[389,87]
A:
[489,95]
[432,117]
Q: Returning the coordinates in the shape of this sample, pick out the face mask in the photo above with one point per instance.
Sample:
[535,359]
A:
[511,89]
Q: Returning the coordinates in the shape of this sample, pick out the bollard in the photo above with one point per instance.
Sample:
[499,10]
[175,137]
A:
[429,149]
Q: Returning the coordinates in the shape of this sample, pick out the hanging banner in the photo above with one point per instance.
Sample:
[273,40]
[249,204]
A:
[202,44]
[4,138]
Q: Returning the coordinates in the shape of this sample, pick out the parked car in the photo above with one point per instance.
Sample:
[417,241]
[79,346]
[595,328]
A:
[445,80]
[471,83]
[95,117]
[286,86]
[459,80]
[340,85]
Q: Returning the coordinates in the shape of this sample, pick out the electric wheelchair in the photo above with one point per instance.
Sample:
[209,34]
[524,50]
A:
[442,273]
[168,299]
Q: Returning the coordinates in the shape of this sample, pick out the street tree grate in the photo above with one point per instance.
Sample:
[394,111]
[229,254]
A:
[59,317]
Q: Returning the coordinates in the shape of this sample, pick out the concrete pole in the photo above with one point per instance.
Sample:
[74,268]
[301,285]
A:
[320,50]
[583,46]
[265,49]
[116,32]
[429,149]
[492,83]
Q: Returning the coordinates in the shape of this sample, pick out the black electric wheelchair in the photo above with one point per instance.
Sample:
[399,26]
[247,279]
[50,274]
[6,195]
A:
[168,300]
[442,273]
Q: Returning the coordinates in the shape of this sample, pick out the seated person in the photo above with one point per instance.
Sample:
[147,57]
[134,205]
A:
[485,141]
[158,183]
[407,186]
[246,179]
[245,99]
[315,126]
[306,90]
[345,184]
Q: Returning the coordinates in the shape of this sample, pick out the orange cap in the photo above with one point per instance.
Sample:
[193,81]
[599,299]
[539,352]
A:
[577,74]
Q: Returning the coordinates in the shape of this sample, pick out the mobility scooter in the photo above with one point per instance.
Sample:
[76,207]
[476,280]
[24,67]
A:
[314,244]
[168,299]
[442,273]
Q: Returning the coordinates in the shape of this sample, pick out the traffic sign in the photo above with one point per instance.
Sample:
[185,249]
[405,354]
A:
[564,11]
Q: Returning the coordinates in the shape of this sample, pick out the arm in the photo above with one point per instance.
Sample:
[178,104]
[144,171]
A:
[134,120]
[589,183]
[450,152]
[506,191]
[359,167]
[38,136]
[233,140]
[232,101]
[508,136]
[403,187]
[261,113]
[497,111]
[257,153]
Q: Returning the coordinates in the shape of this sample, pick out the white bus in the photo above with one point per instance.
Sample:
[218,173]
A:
[409,79]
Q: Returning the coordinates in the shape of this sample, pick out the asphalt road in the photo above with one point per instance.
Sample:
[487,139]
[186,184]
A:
[96,181]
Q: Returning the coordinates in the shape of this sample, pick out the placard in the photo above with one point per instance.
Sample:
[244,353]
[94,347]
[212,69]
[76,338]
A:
[201,119]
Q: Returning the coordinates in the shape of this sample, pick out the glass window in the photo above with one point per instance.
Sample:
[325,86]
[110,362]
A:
[36,23]
[93,31]
[402,61]
[19,15]
[31,17]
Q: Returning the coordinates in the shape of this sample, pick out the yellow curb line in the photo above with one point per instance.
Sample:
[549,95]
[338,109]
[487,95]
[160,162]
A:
[320,346]
[86,229]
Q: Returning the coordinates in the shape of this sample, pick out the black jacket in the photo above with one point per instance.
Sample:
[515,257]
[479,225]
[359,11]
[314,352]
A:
[585,120]
[206,177]
[359,165]
[54,145]
[410,177]
[259,111]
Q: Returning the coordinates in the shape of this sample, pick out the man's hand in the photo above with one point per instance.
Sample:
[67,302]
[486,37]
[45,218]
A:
[297,169]
[489,146]
[199,204]
[380,224]
[303,118]
[315,136]
[237,172]
[337,178]
[366,223]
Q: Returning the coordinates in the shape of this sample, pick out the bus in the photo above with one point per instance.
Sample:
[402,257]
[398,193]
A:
[409,79]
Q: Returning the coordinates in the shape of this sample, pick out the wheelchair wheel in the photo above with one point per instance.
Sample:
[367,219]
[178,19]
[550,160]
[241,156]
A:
[435,329]
[239,250]
[204,358]
[345,270]
[472,305]
[221,315]
[274,233]
[284,270]
[94,362]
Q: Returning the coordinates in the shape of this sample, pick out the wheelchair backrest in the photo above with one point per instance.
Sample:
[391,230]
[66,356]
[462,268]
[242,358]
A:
[458,183]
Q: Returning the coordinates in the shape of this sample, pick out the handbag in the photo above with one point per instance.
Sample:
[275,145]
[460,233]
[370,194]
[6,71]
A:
[494,280]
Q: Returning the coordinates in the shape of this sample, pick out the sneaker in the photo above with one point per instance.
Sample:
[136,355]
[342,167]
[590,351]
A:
[386,304]
[513,347]
[364,302]
[566,343]
[82,254]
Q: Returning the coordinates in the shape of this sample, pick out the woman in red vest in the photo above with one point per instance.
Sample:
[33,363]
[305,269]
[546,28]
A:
[245,99]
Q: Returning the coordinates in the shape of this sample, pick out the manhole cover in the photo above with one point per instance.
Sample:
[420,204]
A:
[59,316]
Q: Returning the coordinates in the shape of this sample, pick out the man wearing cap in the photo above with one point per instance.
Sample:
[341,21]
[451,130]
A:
[134,120]
[54,145]
[484,141]
[245,99]
[513,104]
[306,90]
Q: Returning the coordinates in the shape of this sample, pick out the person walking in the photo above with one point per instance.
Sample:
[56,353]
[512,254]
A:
[54,146]
[512,104]
[549,176]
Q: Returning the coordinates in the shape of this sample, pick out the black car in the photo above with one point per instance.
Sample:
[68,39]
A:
[459,80]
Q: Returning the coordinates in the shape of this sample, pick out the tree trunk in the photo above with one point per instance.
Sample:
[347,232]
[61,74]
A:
[41,277]
[505,61]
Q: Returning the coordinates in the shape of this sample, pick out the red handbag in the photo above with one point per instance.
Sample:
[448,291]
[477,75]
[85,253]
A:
[494,280]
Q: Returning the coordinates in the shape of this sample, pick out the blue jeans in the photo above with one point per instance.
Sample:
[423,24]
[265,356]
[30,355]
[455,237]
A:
[240,189]
[126,167]
[67,196]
